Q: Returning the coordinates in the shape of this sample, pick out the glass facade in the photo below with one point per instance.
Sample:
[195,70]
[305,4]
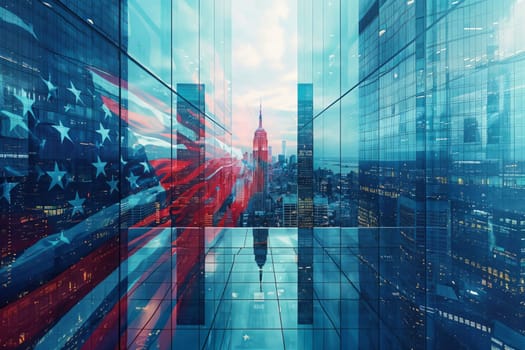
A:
[418,147]
[119,185]
[115,162]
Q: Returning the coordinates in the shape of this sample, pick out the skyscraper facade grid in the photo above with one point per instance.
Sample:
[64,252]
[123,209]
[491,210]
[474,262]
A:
[115,153]
[418,143]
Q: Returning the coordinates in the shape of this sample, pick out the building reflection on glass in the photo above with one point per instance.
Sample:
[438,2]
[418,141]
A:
[260,251]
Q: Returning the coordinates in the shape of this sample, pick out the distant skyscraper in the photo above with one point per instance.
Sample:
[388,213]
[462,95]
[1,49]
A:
[260,157]
[289,210]
[283,144]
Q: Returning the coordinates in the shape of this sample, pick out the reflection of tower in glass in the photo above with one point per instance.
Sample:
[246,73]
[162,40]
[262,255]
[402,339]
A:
[260,250]
[305,195]
[186,214]
[305,166]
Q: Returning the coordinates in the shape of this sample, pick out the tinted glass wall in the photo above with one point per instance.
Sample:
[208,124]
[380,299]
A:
[115,154]
[418,133]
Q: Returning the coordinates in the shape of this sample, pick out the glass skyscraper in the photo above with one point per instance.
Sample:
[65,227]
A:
[120,188]
[115,152]
[418,143]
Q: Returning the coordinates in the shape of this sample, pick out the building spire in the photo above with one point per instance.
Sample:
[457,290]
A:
[260,115]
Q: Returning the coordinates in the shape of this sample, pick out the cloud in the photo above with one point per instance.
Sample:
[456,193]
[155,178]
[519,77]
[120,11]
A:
[290,77]
[264,63]
[247,55]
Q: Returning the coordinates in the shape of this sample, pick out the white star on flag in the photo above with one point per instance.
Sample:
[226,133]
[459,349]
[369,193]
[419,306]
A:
[75,92]
[63,130]
[27,103]
[56,177]
[7,187]
[77,204]
[15,120]
[100,167]
[104,133]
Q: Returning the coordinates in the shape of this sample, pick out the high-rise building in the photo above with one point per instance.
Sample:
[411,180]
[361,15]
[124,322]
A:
[413,103]
[305,204]
[289,210]
[305,171]
[320,211]
[260,158]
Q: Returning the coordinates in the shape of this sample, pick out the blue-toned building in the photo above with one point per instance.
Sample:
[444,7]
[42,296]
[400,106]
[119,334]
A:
[425,97]
[120,187]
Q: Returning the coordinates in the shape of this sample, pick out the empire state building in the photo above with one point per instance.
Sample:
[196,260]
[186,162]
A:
[260,157]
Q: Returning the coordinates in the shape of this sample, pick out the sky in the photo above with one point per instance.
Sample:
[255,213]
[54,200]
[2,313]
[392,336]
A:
[264,69]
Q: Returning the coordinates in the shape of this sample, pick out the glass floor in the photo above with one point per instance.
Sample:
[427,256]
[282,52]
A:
[250,283]
[236,289]
[277,288]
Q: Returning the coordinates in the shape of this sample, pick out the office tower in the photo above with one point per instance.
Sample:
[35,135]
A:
[305,155]
[289,210]
[305,202]
[260,165]
[320,211]
[98,154]
[260,156]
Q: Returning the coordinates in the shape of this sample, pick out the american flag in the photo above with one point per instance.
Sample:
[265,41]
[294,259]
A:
[88,170]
